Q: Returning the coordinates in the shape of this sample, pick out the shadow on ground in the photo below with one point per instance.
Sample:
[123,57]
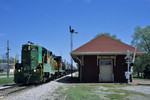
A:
[68,80]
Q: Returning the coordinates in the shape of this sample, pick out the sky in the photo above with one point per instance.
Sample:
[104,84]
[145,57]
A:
[46,22]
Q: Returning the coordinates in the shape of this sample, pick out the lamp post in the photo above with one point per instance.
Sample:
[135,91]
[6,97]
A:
[71,32]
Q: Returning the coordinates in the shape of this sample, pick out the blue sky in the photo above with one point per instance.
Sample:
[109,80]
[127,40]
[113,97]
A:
[46,22]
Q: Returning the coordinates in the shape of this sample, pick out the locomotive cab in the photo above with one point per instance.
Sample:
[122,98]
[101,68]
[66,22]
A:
[27,71]
[29,57]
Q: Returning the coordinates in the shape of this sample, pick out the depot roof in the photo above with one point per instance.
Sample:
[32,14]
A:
[104,45]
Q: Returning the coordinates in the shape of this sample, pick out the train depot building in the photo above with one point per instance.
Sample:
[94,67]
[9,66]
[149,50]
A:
[103,60]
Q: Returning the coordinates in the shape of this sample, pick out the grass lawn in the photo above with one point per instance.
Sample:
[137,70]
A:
[4,74]
[4,81]
[140,79]
[97,92]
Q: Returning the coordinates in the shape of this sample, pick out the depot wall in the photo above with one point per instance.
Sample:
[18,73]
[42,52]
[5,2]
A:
[90,69]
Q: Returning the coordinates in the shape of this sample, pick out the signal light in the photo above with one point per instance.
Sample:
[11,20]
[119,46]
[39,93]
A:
[18,70]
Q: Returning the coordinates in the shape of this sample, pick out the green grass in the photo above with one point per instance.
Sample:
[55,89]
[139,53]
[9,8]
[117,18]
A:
[4,74]
[4,81]
[76,93]
[81,92]
[140,79]
[96,92]
[76,75]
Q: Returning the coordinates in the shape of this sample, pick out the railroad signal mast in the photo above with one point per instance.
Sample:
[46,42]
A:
[130,62]
[72,31]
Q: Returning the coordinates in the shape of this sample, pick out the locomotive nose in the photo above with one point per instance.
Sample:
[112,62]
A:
[26,76]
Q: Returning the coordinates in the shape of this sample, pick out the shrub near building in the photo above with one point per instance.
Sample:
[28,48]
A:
[142,65]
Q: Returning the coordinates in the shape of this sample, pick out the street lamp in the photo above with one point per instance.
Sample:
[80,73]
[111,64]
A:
[72,31]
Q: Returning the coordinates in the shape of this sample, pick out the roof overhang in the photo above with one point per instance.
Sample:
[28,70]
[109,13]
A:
[104,53]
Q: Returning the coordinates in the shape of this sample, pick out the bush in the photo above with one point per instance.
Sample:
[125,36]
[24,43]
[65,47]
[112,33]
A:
[140,64]
[147,71]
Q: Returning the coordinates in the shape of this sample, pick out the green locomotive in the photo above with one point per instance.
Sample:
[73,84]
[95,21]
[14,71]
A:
[37,65]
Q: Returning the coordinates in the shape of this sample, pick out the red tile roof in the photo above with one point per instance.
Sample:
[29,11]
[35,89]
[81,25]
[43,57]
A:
[105,44]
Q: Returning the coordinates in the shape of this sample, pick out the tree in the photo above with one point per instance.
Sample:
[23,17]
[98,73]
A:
[147,71]
[140,63]
[108,34]
[141,38]
[11,60]
[3,58]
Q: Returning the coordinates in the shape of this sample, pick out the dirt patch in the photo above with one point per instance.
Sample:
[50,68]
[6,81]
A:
[137,97]
[141,89]
[141,82]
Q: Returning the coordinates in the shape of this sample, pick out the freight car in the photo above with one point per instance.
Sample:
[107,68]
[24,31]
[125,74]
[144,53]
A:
[37,65]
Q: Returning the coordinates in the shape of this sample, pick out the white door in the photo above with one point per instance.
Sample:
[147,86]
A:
[106,71]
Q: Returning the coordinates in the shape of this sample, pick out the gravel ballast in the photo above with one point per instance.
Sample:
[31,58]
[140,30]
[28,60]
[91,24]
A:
[36,93]
[39,92]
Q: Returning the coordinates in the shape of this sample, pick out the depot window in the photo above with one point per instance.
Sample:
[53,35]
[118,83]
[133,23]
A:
[105,62]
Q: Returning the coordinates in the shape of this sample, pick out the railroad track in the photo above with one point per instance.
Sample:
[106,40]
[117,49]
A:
[7,90]
[9,86]
[15,88]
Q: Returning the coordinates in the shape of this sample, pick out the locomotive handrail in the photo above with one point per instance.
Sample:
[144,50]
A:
[40,66]
[43,62]
[43,65]
[14,64]
[29,78]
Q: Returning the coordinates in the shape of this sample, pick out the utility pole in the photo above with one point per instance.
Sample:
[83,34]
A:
[8,58]
[72,31]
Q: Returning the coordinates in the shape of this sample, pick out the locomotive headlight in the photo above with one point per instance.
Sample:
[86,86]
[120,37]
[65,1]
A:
[18,70]
[34,70]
